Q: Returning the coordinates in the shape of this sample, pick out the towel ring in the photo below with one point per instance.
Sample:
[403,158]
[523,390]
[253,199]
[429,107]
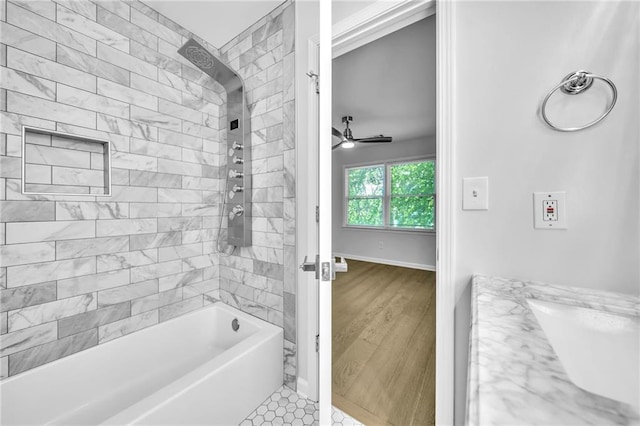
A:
[574,84]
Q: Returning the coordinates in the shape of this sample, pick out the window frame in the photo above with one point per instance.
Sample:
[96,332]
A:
[386,196]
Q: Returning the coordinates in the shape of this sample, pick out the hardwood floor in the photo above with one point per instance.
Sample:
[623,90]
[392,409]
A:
[384,320]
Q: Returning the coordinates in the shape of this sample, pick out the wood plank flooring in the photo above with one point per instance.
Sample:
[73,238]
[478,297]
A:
[384,330]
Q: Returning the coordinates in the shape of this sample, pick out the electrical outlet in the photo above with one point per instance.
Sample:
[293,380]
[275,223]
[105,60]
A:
[549,210]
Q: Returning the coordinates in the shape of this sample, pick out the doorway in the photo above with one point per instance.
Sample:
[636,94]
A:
[383,222]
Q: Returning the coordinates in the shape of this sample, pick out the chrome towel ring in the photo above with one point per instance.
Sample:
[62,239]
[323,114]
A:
[574,84]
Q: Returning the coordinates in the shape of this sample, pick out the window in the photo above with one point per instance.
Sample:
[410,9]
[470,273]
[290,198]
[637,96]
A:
[391,195]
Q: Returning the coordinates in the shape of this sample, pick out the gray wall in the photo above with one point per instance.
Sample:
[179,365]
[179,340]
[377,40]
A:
[78,271]
[500,45]
[408,248]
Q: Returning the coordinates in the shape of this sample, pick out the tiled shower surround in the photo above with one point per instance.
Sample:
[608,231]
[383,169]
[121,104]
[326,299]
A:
[81,270]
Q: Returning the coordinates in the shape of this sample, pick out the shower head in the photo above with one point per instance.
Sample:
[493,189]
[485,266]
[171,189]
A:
[209,64]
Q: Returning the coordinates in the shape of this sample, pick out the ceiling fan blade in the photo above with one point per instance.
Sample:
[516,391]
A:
[336,145]
[375,139]
[337,133]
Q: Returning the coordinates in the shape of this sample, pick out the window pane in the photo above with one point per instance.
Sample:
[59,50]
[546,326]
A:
[365,211]
[366,181]
[413,212]
[413,178]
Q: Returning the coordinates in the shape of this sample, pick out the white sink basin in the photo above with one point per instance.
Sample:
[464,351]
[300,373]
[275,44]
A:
[599,350]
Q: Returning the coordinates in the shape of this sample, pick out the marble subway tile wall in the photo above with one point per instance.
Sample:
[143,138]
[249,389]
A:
[80,270]
[261,279]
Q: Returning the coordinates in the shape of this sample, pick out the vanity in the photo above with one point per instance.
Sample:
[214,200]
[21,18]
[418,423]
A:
[543,354]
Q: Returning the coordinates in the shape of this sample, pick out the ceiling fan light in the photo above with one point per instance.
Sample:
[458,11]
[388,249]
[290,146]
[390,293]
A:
[348,144]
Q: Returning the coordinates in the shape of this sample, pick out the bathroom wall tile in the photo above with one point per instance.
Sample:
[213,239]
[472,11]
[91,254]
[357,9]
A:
[126,94]
[148,241]
[92,319]
[48,352]
[90,210]
[77,177]
[4,367]
[156,270]
[154,118]
[167,166]
[176,309]
[149,86]
[87,100]
[179,223]
[290,364]
[125,260]
[200,288]
[179,252]
[46,271]
[132,194]
[22,297]
[27,338]
[10,167]
[198,262]
[155,301]
[26,232]
[179,139]
[36,173]
[154,209]
[126,326]
[125,160]
[91,247]
[26,83]
[26,211]
[125,227]
[59,189]
[42,67]
[91,283]
[27,41]
[29,105]
[91,29]
[3,323]
[143,21]
[51,311]
[160,180]
[20,254]
[179,195]
[119,8]
[290,317]
[121,294]
[153,57]
[159,150]
[123,26]
[126,128]
[46,9]
[84,8]
[39,25]
[38,154]
[124,60]
[180,280]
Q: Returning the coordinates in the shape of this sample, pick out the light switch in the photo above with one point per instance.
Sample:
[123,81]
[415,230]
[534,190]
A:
[549,210]
[475,193]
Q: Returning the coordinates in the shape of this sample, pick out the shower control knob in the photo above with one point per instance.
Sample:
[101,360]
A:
[235,174]
[238,160]
[234,190]
[237,146]
[236,211]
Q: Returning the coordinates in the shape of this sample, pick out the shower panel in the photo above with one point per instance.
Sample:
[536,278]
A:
[237,191]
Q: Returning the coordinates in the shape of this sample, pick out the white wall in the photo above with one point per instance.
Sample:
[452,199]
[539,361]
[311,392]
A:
[509,54]
[413,249]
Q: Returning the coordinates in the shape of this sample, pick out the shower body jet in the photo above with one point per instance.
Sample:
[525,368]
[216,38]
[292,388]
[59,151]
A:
[238,173]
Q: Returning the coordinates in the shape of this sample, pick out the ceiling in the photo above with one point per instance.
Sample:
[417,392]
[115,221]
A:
[389,85]
[216,21]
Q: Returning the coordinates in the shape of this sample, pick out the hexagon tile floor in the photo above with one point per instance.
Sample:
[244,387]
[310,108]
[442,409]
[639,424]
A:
[285,407]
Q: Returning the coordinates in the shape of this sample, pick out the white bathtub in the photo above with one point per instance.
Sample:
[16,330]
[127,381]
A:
[191,370]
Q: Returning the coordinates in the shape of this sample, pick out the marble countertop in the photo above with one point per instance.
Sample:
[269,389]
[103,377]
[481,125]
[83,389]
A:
[515,377]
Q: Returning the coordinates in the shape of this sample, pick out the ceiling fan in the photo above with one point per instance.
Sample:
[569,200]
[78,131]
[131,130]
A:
[348,141]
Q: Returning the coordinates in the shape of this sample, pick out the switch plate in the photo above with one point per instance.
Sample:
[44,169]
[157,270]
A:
[475,193]
[549,210]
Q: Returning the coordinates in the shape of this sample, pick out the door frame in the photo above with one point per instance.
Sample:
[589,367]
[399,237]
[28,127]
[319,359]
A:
[371,23]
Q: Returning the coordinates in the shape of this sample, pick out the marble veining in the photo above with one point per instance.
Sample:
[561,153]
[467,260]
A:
[514,375]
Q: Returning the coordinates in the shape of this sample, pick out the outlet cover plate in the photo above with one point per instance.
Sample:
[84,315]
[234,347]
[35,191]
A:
[539,199]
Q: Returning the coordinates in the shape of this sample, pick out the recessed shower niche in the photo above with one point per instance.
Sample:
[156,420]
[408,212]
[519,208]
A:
[61,163]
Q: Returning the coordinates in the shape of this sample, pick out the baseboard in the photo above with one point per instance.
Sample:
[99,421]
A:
[387,262]
[303,388]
